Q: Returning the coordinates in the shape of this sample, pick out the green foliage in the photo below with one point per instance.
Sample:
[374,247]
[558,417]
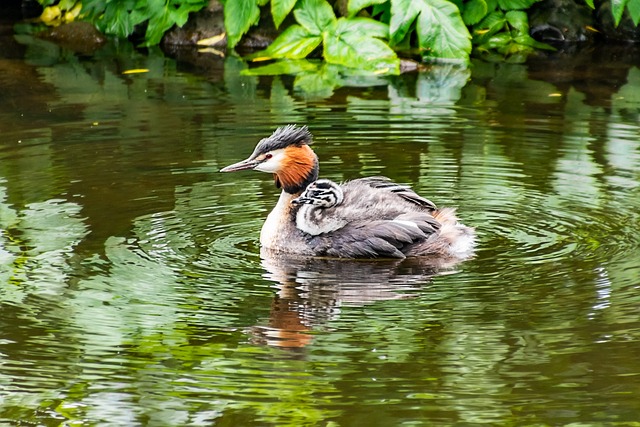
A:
[373,30]
[351,42]
[120,18]
[503,31]
[366,38]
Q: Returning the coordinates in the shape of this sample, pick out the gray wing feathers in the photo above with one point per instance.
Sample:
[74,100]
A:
[382,239]
[424,221]
[412,197]
[404,191]
[371,247]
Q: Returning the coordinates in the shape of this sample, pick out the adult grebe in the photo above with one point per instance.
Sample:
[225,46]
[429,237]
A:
[376,217]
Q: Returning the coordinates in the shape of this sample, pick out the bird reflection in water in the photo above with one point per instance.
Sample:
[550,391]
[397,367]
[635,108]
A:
[311,291]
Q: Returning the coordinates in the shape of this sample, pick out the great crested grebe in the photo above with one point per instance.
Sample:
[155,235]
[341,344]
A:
[376,217]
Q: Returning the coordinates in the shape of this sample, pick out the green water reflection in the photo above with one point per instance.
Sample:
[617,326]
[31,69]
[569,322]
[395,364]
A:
[133,291]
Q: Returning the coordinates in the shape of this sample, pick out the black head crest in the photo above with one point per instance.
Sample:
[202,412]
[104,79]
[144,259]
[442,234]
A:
[284,137]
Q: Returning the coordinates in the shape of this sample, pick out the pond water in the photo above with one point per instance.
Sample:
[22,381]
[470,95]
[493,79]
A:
[132,290]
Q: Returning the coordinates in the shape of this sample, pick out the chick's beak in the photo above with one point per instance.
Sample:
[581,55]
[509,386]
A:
[240,166]
[299,200]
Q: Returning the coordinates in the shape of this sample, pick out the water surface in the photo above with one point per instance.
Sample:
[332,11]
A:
[133,291]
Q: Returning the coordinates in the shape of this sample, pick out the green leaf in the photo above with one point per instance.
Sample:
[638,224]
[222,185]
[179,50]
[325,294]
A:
[355,6]
[492,5]
[633,7]
[138,16]
[403,13]
[158,24]
[180,15]
[348,46]
[516,4]
[367,27]
[617,9]
[492,24]
[527,40]
[440,28]
[116,20]
[497,41]
[294,43]
[282,67]
[280,9]
[474,11]
[590,3]
[239,16]
[518,21]
[314,15]
[442,32]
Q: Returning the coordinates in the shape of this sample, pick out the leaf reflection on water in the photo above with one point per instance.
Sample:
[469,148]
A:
[36,246]
[442,83]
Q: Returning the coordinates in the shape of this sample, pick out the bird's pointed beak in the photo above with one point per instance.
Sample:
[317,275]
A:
[240,166]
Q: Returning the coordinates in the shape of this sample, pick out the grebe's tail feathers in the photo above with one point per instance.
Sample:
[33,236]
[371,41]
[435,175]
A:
[453,239]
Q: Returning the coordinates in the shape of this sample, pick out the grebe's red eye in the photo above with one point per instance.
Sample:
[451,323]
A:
[268,156]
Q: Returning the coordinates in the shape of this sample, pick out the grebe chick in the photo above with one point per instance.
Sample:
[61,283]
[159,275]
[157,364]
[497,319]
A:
[315,215]
[377,218]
